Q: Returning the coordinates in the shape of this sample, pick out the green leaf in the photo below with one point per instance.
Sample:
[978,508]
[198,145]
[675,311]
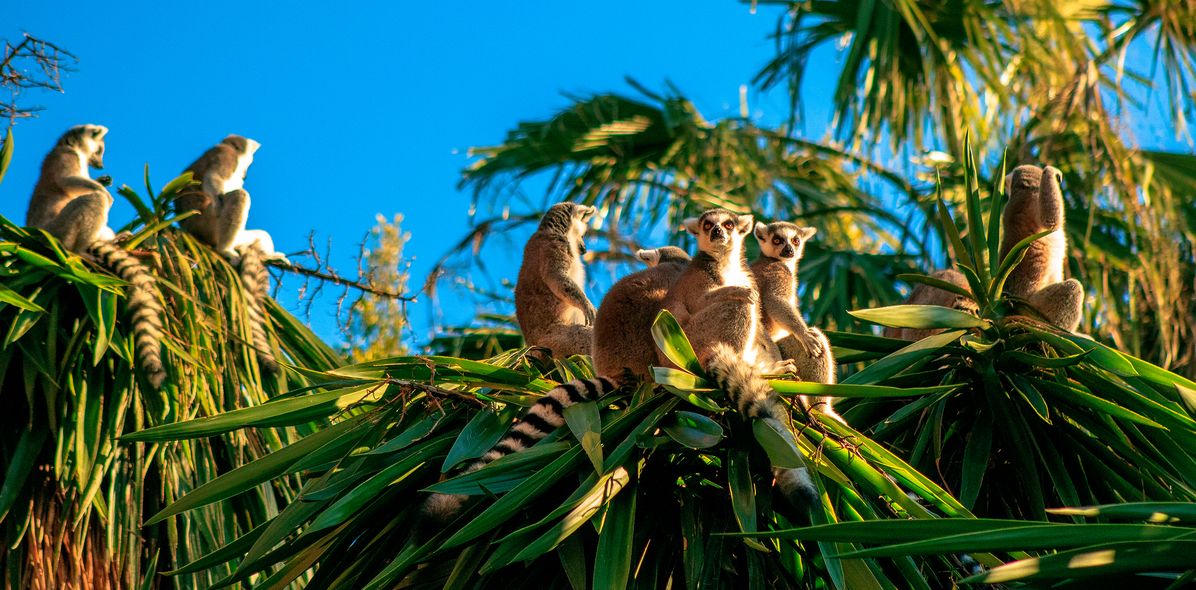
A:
[671,340]
[902,359]
[693,430]
[856,391]
[20,465]
[603,492]
[11,297]
[6,153]
[251,474]
[743,495]
[502,474]
[1155,512]
[975,459]
[778,443]
[1013,258]
[919,316]
[479,435]
[612,560]
[1105,560]
[282,412]
[936,283]
[586,425]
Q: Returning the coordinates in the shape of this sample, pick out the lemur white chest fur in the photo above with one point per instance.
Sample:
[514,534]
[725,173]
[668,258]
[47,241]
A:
[735,273]
[236,180]
[1055,241]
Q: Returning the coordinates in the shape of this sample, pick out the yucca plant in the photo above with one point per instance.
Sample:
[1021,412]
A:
[1133,545]
[73,497]
[1035,416]
[638,491]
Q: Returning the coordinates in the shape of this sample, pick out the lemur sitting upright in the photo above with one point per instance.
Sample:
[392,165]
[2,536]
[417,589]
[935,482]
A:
[550,302]
[223,203]
[72,207]
[782,245]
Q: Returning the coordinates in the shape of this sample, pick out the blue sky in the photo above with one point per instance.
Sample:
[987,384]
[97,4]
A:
[359,111]
[370,109]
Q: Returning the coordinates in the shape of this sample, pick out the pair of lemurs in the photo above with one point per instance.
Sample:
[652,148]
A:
[73,207]
[742,322]
[1035,205]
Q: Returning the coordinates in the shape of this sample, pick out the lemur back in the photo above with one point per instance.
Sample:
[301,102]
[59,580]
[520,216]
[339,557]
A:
[72,207]
[66,201]
[550,301]
[1036,205]
[623,341]
[220,196]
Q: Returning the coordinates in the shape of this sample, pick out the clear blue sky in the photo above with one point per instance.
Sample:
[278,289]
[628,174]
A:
[366,109]
[360,110]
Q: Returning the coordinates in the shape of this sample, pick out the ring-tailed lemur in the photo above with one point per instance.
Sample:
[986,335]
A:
[1036,205]
[73,207]
[223,203]
[782,245]
[718,297]
[623,350]
[550,303]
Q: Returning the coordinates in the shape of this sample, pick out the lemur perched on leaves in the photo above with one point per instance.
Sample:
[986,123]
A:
[1036,205]
[550,303]
[623,343]
[720,302]
[223,203]
[782,245]
[550,308]
[72,207]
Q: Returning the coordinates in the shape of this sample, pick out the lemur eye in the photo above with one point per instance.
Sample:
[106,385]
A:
[728,224]
[776,241]
[707,225]
[796,241]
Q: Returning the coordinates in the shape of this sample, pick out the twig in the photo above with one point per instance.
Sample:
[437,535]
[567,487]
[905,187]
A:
[334,278]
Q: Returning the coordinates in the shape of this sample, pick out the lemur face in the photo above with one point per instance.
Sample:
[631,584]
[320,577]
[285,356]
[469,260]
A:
[783,240]
[664,254]
[93,144]
[719,230]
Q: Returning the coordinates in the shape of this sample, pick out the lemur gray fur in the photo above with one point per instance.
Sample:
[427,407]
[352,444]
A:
[782,245]
[550,302]
[223,203]
[1036,205]
[73,207]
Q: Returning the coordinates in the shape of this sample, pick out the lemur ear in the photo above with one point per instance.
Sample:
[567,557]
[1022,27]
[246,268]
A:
[806,232]
[745,223]
[691,225]
[652,257]
[761,231]
[99,131]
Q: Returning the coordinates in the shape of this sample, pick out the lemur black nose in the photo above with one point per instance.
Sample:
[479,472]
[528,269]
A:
[787,252]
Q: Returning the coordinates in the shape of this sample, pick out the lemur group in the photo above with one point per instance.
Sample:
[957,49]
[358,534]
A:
[73,207]
[742,320]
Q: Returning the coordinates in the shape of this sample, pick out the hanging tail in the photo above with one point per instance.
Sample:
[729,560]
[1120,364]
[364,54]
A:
[755,398]
[143,307]
[545,416]
[256,279]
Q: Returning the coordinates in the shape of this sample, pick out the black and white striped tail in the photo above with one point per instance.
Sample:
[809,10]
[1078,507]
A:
[256,279]
[143,306]
[755,398]
[541,419]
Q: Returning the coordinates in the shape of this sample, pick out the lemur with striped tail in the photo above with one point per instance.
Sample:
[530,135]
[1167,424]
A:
[223,205]
[623,352]
[73,207]
[782,245]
